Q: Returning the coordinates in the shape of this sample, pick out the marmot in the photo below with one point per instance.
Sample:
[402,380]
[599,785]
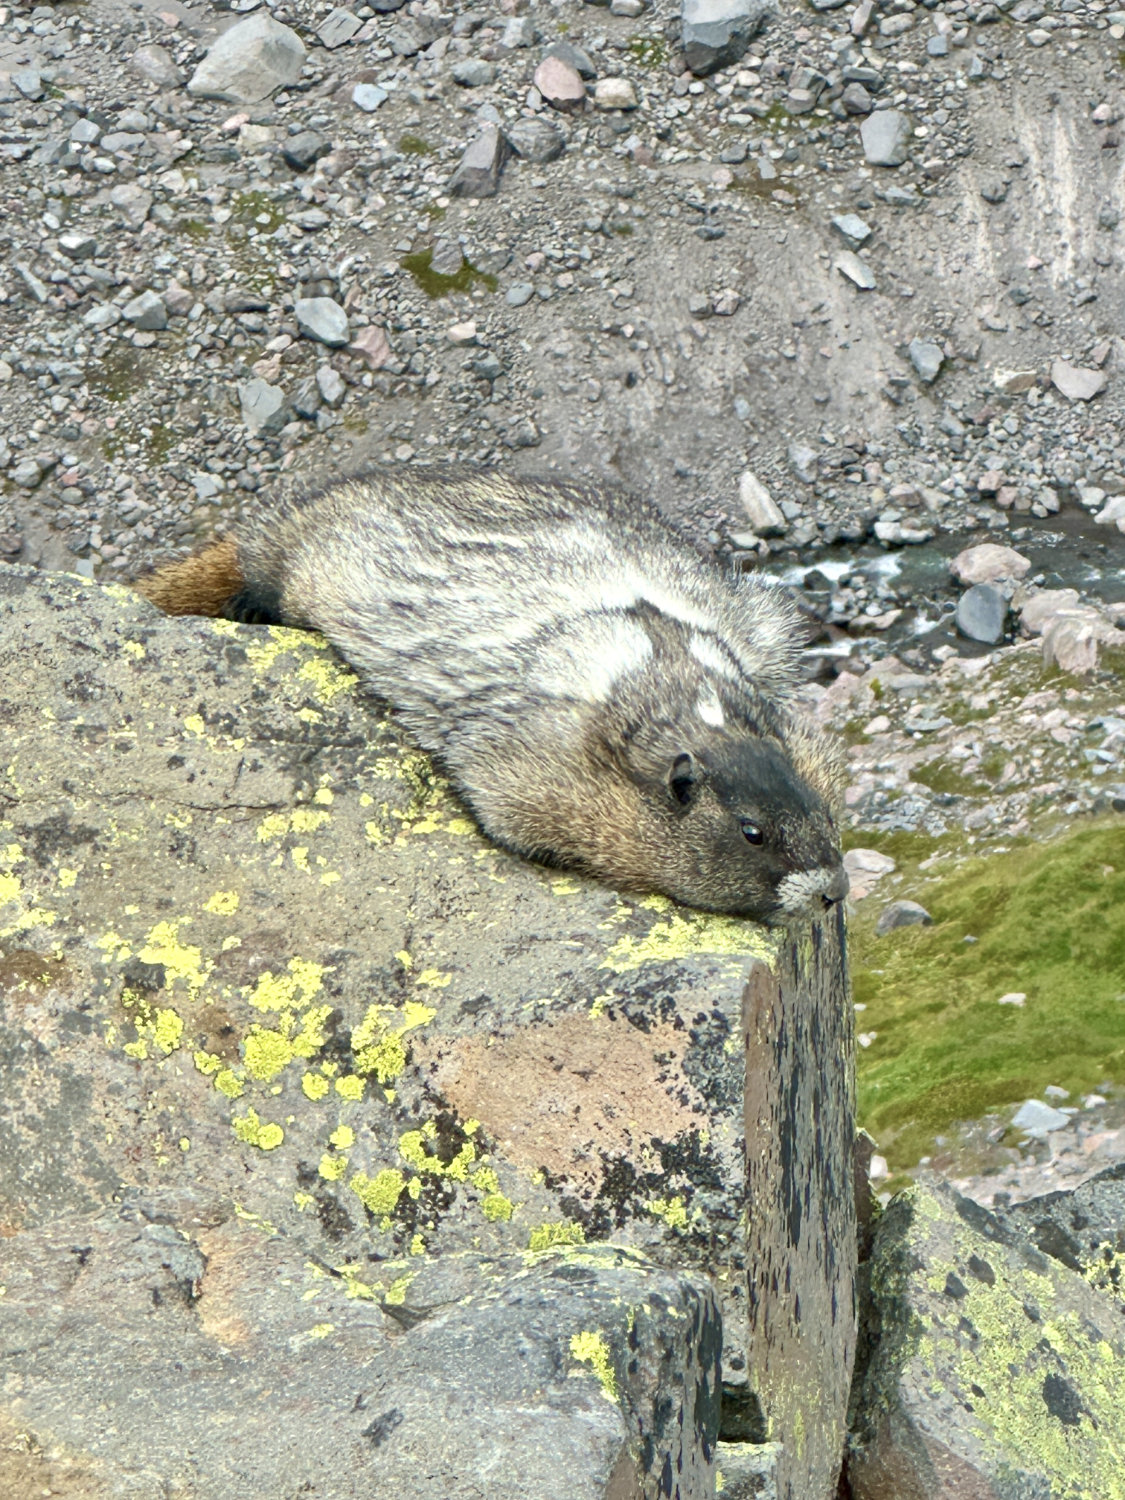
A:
[601,697]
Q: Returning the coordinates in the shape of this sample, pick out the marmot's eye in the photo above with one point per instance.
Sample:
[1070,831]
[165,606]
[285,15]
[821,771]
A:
[751,832]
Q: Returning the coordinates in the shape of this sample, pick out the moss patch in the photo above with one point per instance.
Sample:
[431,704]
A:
[648,51]
[435,285]
[1049,920]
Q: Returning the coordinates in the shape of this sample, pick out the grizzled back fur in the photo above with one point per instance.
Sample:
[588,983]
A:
[601,695]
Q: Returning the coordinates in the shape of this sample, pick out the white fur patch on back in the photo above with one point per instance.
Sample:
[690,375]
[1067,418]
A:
[711,711]
[596,659]
[711,656]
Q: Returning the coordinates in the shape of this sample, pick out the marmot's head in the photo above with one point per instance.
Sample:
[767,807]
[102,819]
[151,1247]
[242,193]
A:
[741,821]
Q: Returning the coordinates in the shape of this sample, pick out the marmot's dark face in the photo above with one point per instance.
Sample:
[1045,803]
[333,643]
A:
[750,836]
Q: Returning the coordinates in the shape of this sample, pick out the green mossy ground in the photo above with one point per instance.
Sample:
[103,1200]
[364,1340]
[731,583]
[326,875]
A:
[434,284]
[1049,919]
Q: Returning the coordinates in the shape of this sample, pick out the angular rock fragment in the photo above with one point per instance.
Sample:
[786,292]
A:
[761,509]
[927,359]
[155,63]
[146,312]
[478,173]
[473,72]
[902,914]
[886,137]
[574,57]
[263,407]
[851,229]
[338,27]
[1037,1119]
[1075,383]
[615,93]
[857,271]
[987,562]
[368,97]
[303,150]
[132,202]
[591,1361]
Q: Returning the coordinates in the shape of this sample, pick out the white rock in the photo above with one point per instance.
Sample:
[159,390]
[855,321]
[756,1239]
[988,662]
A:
[331,385]
[249,62]
[368,97]
[1016,997]
[615,93]
[856,270]
[1038,1119]
[885,136]
[868,862]
[462,334]
[1039,609]
[1112,515]
[322,319]
[988,562]
[761,509]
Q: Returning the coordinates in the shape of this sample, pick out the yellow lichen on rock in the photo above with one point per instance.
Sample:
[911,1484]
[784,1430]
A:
[591,1349]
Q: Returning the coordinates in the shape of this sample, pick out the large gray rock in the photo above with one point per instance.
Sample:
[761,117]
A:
[715,33]
[172,1343]
[994,1372]
[251,945]
[250,62]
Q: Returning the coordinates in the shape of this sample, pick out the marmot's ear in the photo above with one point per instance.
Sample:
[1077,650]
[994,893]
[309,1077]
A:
[683,779]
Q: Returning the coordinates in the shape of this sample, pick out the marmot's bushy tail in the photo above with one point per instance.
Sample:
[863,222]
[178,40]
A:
[204,584]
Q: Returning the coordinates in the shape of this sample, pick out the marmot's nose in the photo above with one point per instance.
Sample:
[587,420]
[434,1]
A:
[836,889]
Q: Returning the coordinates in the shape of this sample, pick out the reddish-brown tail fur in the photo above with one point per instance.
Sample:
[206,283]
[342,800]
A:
[200,585]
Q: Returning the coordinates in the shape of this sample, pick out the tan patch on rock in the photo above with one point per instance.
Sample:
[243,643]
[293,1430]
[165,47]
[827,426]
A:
[565,1095]
[228,1251]
[28,1471]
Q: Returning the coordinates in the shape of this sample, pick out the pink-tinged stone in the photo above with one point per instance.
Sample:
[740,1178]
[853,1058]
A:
[559,84]
[990,481]
[371,345]
[987,563]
